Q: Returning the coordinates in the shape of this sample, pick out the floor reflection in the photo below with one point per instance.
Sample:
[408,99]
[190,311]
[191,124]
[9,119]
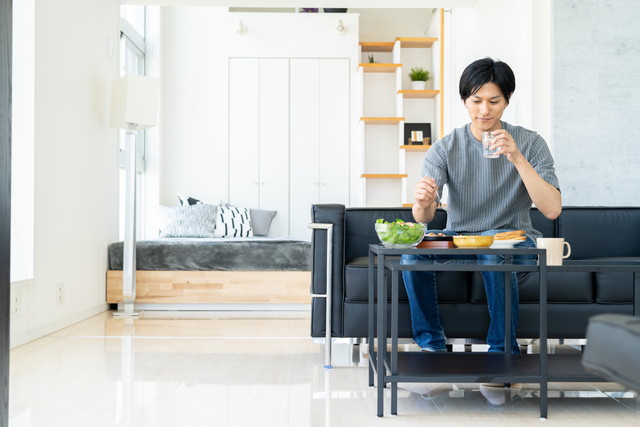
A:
[230,369]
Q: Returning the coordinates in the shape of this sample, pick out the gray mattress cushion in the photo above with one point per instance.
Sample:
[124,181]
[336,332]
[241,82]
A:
[204,254]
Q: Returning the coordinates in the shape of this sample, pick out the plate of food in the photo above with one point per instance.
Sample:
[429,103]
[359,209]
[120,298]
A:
[472,241]
[508,239]
[436,240]
[505,244]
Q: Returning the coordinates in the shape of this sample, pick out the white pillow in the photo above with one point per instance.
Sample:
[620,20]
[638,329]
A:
[232,221]
[187,221]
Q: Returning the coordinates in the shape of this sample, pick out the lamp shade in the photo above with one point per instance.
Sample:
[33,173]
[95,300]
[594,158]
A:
[134,102]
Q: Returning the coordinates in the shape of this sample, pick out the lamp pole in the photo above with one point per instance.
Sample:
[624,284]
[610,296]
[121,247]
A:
[134,105]
[129,245]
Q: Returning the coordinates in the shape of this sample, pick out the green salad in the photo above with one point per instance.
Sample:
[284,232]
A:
[399,232]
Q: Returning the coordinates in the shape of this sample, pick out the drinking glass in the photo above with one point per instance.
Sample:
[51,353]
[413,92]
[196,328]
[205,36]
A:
[486,142]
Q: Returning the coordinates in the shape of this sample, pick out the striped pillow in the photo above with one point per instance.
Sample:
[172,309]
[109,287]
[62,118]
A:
[232,221]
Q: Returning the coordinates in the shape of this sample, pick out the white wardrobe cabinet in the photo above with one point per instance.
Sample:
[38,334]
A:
[258,143]
[289,137]
[319,128]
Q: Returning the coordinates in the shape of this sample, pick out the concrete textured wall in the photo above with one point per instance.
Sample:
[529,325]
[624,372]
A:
[596,109]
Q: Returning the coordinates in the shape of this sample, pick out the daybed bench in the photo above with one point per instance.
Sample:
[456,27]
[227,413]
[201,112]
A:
[255,270]
[214,254]
[593,232]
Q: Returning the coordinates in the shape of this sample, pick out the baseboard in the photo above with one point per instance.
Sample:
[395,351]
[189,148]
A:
[219,307]
[18,340]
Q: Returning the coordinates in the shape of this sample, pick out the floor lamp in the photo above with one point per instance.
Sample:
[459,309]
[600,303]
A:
[134,106]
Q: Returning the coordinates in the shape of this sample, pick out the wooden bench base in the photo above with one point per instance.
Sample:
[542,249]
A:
[214,287]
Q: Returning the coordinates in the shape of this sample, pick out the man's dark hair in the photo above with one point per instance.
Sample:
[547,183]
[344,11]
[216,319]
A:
[484,71]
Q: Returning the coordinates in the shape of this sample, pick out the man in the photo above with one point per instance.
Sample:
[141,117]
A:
[486,196]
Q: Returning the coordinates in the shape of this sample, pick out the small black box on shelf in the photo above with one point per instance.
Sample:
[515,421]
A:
[425,128]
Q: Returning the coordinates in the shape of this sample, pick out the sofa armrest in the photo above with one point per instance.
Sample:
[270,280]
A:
[334,215]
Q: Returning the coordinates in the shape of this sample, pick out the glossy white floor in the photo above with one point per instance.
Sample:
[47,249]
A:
[254,369]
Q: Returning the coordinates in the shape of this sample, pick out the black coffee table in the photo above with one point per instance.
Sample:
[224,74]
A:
[393,366]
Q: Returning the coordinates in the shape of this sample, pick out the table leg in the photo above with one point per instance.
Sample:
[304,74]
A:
[370,314]
[507,312]
[543,335]
[636,293]
[381,332]
[394,341]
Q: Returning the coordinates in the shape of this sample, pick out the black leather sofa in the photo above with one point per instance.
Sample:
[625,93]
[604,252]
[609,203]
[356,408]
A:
[593,232]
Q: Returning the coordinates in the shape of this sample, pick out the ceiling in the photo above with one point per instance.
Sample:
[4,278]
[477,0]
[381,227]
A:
[363,4]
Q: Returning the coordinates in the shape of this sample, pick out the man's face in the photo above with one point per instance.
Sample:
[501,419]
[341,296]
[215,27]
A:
[485,107]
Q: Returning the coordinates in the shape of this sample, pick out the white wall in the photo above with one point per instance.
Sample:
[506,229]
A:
[196,45]
[596,61]
[500,29]
[76,165]
[382,25]
[193,117]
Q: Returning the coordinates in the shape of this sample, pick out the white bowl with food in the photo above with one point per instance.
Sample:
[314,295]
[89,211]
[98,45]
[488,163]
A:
[399,234]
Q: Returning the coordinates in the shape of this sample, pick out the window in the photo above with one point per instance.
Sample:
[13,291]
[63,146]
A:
[132,61]
[22,136]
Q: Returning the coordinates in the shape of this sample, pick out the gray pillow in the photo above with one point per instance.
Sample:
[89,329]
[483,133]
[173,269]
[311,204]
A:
[187,221]
[261,221]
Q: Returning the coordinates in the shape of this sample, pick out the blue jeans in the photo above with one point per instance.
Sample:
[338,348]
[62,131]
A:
[423,300]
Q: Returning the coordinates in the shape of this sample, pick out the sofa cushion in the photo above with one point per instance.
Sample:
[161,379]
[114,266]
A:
[360,230]
[452,286]
[561,287]
[601,232]
[572,287]
[614,288]
[546,226]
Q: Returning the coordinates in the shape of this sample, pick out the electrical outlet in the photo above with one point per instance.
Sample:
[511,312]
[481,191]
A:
[60,293]
[16,303]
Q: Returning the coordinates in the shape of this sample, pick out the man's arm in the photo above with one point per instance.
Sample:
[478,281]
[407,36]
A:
[545,196]
[424,195]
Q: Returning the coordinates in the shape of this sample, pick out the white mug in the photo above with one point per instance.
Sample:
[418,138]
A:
[555,249]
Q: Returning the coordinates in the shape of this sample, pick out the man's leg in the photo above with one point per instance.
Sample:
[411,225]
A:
[494,288]
[423,303]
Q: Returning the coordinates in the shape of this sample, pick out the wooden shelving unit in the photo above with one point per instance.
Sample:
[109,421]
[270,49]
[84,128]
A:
[378,67]
[381,120]
[416,42]
[415,147]
[413,106]
[409,93]
[376,46]
[384,175]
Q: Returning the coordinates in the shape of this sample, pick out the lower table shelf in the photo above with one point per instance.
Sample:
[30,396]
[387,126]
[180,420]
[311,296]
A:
[485,367]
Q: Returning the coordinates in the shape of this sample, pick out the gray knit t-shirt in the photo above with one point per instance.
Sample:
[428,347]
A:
[487,194]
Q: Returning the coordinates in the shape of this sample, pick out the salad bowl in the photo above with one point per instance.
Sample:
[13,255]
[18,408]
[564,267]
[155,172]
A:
[399,233]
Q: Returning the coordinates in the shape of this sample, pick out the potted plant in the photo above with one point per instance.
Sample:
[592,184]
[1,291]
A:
[419,77]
